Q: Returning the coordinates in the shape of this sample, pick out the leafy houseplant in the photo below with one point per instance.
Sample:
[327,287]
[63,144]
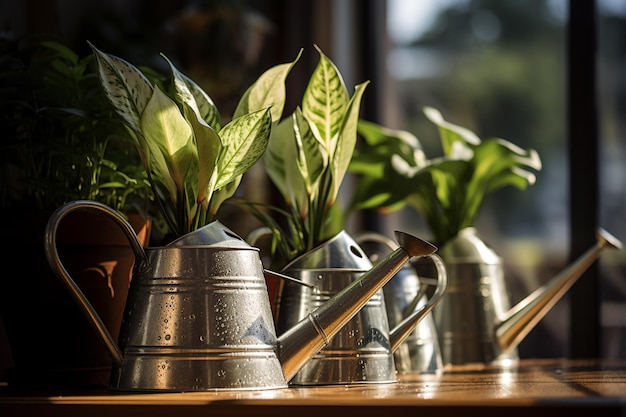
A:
[448,190]
[61,141]
[193,162]
[307,158]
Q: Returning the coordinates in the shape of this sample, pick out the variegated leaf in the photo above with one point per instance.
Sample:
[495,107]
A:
[244,141]
[267,91]
[346,142]
[125,87]
[324,101]
[302,170]
[209,146]
[311,157]
[221,195]
[164,126]
[188,91]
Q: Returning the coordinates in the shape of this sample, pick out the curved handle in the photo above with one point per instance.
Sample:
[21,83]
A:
[253,237]
[141,263]
[403,329]
[256,234]
[376,238]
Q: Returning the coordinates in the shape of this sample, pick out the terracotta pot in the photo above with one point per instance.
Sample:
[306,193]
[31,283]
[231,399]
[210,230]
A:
[51,343]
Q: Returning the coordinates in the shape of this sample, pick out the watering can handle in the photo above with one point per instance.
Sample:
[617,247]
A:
[252,239]
[141,262]
[402,330]
[256,234]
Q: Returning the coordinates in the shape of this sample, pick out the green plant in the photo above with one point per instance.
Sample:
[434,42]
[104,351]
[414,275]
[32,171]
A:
[307,158]
[449,190]
[193,162]
[60,140]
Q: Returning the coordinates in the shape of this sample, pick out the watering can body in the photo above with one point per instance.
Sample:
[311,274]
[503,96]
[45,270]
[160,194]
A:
[476,322]
[363,350]
[198,315]
[182,333]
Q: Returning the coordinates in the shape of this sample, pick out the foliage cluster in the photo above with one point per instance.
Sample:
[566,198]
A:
[448,190]
[60,140]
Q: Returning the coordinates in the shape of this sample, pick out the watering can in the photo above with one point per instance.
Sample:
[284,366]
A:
[420,351]
[363,350]
[198,316]
[475,321]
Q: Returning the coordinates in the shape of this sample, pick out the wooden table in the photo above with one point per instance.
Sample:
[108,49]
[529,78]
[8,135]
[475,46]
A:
[531,388]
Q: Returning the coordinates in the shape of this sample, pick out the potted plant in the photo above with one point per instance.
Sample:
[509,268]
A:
[306,159]
[449,192]
[61,142]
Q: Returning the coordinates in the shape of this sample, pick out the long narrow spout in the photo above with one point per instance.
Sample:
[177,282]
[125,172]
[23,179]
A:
[522,318]
[298,344]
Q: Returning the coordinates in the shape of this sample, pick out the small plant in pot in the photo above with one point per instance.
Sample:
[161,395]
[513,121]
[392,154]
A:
[62,142]
[307,158]
[449,192]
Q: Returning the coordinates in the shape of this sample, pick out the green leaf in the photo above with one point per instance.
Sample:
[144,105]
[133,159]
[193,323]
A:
[221,195]
[187,91]
[379,185]
[380,144]
[203,116]
[169,135]
[125,87]
[311,158]
[281,147]
[244,141]
[62,52]
[267,91]
[374,194]
[305,164]
[497,164]
[346,143]
[452,136]
[324,102]
[209,146]
[449,190]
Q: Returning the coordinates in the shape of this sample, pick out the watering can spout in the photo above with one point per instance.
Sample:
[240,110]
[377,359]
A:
[521,319]
[307,337]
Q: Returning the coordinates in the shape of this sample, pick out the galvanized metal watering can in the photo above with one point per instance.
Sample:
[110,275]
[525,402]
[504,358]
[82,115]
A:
[475,321]
[198,315]
[362,351]
[408,290]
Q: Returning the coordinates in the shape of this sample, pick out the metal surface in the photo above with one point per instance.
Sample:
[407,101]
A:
[420,351]
[362,351]
[199,319]
[475,321]
[198,316]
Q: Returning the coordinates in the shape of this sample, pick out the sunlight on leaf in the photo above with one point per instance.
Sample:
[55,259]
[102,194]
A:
[126,88]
